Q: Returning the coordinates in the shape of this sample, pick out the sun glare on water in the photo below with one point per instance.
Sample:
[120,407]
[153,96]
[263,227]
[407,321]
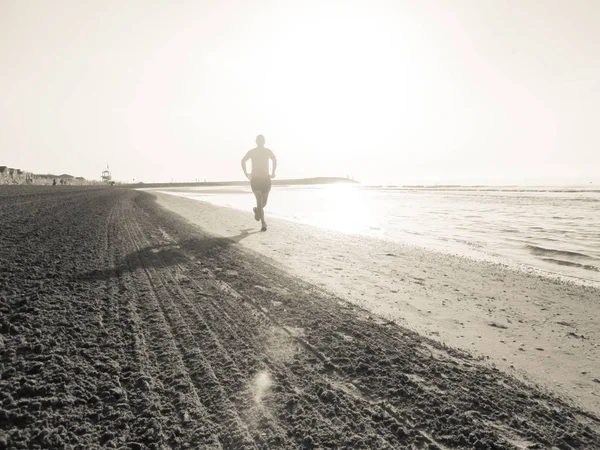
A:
[348,210]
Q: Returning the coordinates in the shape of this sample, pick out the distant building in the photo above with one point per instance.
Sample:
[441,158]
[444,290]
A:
[106,175]
[9,175]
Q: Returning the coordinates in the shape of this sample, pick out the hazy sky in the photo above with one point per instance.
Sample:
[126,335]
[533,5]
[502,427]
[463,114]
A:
[479,91]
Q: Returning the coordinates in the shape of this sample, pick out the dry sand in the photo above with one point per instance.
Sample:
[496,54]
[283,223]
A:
[545,330]
[123,325]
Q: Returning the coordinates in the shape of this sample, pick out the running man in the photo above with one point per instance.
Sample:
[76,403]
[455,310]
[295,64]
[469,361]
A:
[260,180]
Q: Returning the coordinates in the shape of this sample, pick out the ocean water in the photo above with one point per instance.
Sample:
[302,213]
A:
[552,230]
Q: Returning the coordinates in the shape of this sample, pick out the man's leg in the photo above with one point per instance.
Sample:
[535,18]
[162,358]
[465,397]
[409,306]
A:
[258,210]
[264,198]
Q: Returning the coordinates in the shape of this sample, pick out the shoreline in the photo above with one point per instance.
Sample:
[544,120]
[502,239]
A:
[275,182]
[536,328]
[480,236]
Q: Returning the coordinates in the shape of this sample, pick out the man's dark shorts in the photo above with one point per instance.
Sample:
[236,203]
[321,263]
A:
[260,184]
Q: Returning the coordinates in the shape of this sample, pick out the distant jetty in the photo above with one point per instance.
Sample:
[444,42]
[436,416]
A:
[290,182]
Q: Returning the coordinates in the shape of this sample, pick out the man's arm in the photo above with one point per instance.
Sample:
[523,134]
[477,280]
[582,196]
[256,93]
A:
[244,159]
[274,160]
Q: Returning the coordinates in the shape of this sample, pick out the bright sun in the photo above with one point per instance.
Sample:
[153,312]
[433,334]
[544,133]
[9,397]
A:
[347,74]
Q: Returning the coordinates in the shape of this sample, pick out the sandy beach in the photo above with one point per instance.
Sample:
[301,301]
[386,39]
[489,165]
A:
[152,321]
[530,326]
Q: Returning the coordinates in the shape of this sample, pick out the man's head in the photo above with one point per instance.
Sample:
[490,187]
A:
[260,140]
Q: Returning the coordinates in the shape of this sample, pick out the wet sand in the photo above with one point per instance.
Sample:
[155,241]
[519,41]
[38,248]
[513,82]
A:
[122,324]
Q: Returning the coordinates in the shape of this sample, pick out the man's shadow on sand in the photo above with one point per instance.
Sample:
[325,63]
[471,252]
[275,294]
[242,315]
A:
[167,255]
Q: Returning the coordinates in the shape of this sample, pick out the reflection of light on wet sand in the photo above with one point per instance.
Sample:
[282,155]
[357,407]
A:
[348,210]
[340,207]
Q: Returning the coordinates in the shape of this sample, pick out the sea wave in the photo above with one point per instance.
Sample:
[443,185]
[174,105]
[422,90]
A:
[458,187]
[562,262]
[461,241]
[542,251]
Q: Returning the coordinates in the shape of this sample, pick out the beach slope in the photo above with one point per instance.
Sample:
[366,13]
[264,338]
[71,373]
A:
[537,326]
[123,324]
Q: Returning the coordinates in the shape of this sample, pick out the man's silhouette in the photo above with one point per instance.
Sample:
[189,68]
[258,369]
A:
[260,180]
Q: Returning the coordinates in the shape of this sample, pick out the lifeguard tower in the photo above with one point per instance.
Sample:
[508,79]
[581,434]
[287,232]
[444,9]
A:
[106,176]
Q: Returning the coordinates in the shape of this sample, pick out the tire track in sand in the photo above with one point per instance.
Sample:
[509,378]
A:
[242,350]
[357,412]
[193,366]
[138,374]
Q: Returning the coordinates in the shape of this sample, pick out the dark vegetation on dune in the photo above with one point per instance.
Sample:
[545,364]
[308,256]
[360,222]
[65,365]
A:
[122,325]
